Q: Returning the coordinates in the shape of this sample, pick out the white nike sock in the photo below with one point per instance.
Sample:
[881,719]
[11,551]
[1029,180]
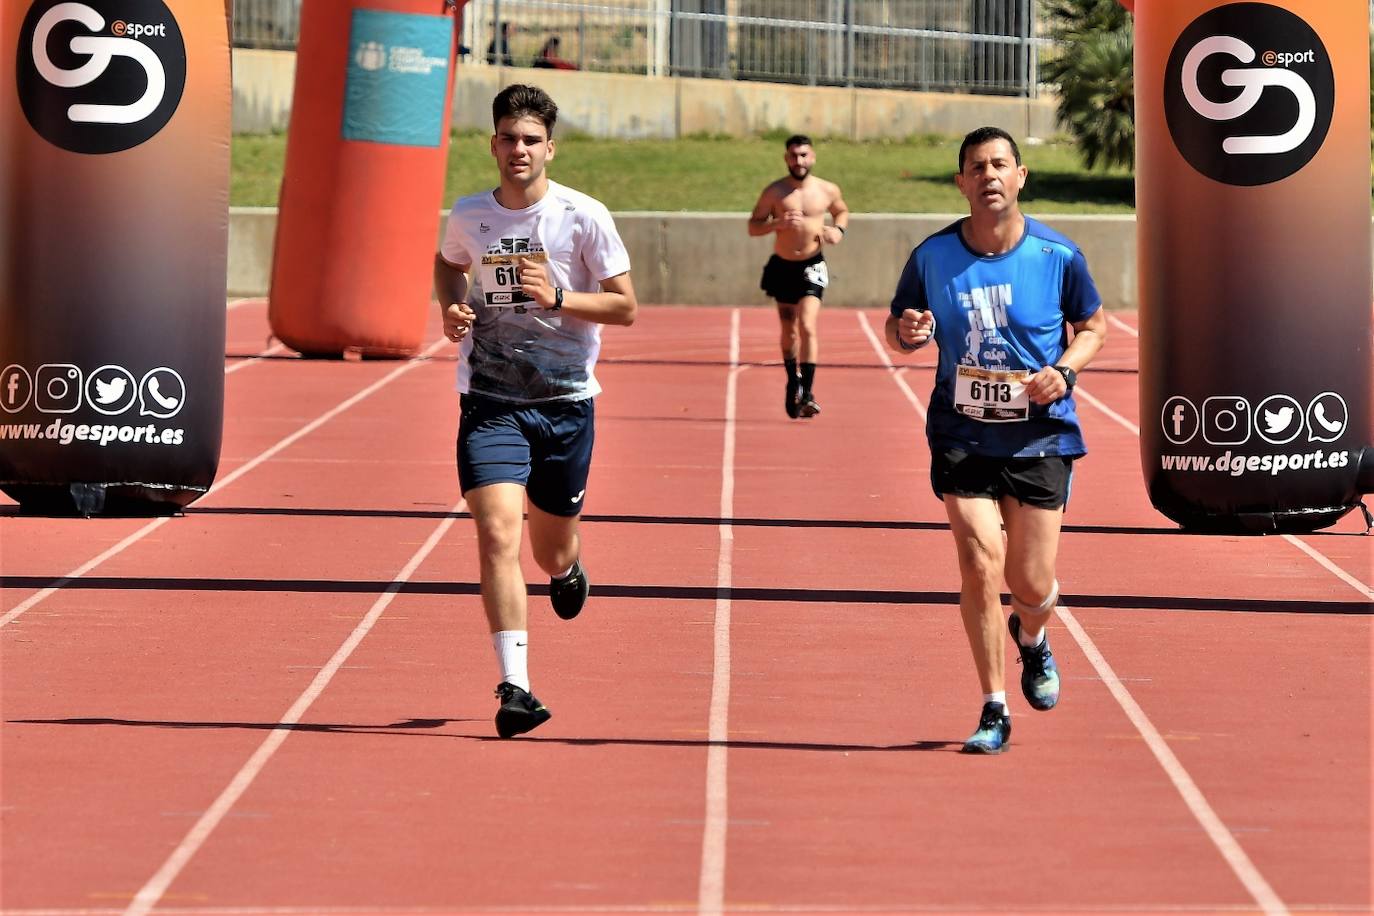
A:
[512,649]
[998,697]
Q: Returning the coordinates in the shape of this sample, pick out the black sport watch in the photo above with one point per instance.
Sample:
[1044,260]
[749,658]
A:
[1070,377]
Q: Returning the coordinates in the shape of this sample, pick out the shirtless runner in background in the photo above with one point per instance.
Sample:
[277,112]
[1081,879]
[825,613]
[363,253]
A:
[795,276]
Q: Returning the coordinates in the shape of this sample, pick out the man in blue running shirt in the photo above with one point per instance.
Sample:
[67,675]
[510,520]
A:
[998,291]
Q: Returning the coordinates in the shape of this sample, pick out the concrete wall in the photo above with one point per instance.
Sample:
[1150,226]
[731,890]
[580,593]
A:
[637,107]
[705,258]
[708,258]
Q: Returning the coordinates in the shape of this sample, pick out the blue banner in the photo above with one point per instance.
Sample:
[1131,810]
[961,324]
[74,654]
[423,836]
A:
[397,78]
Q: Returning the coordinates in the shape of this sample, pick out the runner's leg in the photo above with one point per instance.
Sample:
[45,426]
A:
[1032,550]
[497,509]
[977,527]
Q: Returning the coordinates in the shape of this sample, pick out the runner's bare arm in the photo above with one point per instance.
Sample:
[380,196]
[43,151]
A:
[839,215]
[451,289]
[614,304]
[1047,385]
[1088,337]
[761,221]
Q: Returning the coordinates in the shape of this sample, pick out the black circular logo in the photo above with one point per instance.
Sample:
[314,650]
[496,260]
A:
[100,76]
[1248,93]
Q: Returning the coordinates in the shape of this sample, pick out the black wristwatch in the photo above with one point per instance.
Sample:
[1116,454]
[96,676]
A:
[558,299]
[1070,377]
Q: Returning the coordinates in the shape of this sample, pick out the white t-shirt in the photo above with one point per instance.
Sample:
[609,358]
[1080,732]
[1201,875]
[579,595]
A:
[519,351]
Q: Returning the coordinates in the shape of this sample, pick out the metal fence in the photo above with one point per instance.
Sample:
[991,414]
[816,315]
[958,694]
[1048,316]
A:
[271,24]
[984,46]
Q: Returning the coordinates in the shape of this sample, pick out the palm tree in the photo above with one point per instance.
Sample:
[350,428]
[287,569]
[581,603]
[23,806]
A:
[1096,80]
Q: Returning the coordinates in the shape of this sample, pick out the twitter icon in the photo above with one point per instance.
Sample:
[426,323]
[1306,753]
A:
[111,390]
[1280,419]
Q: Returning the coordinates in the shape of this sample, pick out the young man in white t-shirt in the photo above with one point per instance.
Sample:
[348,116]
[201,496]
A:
[547,270]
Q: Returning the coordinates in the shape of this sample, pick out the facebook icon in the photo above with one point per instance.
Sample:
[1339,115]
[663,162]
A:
[15,388]
[1179,420]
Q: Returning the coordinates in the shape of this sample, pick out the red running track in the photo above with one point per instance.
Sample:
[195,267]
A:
[280,702]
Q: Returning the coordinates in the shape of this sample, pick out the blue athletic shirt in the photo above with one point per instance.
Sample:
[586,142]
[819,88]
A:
[1000,312]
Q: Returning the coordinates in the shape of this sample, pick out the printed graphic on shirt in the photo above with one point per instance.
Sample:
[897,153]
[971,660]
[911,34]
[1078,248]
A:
[520,351]
[986,311]
[517,350]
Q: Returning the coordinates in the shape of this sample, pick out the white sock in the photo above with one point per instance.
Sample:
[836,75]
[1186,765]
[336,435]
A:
[1028,638]
[567,572]
[998,697]
[512,649]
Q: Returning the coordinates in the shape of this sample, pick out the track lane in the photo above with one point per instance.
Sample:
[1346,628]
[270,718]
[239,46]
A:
[156,682]
[617,763]
[654,536]
[864,699]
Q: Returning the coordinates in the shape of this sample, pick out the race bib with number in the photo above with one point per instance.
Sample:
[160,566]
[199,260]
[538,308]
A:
[991,396]
[500,274]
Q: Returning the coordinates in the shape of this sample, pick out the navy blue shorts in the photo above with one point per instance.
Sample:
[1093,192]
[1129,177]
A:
[1040,482]
[546,448]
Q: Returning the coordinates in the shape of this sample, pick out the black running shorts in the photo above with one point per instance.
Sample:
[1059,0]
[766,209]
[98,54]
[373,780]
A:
[790,282]
[1040,482]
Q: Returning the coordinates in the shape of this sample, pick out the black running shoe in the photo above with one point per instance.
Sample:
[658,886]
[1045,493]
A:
[520,711]
[994,731]
[808,407]
[1039,673]
[793,402]
[568,594]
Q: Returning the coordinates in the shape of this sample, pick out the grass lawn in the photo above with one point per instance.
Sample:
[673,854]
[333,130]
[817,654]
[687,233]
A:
[727,174]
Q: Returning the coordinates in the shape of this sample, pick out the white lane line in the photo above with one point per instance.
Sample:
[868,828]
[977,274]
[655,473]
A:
[1216,831]
[271,351]
[1080,392]
[885,909]
[1240,863]
[43,594]
[1320,558]
[152,892]
[1330,566]
[112,551]
[898,375]
[28,603]
[1118,323]
[711,891]
[1220,836]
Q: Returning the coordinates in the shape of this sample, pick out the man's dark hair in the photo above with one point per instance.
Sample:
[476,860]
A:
[983,135]
[521,101]
[797,140]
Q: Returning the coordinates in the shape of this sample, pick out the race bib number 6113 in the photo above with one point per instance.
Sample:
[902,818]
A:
[991,396]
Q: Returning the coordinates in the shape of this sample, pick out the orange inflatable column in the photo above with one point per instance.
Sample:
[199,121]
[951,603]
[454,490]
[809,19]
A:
[364,176]
[1252,170]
